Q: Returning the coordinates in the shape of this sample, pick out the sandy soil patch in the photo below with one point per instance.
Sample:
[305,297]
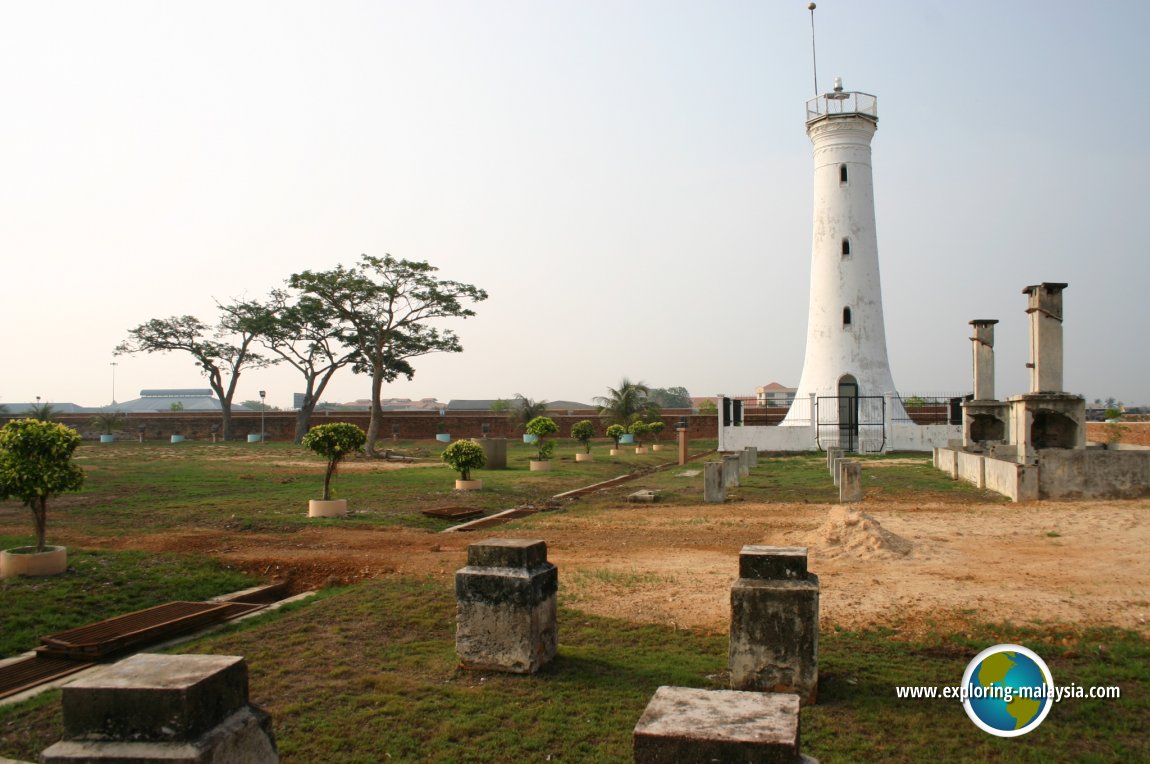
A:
[897,564]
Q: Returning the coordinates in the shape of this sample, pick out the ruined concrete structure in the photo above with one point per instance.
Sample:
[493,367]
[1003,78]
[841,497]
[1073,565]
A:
[1033,446]
[190,709]
[684,724]
[506,606]
[775,623]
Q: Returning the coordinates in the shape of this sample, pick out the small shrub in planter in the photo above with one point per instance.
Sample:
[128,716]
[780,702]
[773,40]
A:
[656,427]
[36,464]
[464,456]
[334,442]
[583,431]
[541,427]
[639,429]
[616,431]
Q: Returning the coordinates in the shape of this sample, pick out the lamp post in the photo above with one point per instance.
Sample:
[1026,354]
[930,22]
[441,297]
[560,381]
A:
[113,364]
[263,407]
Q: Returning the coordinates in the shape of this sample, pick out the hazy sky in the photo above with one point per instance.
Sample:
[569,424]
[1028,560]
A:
[630,181]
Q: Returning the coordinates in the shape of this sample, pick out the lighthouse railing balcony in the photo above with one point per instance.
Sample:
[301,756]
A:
[842,104]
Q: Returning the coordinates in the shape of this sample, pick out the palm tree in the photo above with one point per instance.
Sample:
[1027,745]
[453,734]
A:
[523,410]
[41,411]
[624,404]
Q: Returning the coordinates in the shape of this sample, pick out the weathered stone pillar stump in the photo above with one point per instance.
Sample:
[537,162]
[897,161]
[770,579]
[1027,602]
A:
[683,724]
[832,454]
[753,456]
[506,606]
[731,470]
[164,708]
[850,481]
[775,623]
[495,453]
[713,491]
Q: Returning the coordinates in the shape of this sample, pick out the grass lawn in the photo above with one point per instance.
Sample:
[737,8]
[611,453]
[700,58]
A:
[100,585]
[369,674]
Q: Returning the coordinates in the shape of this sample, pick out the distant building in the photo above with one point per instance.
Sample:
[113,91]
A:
[775,394]
[178,399]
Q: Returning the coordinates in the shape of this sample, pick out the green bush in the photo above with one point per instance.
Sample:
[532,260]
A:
[36,464]
[639,429]
[541,427]
[656,427]
[583,431]
[334,442]
[464,456]
[616,431]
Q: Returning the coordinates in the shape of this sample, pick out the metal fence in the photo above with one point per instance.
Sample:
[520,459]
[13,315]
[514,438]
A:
[929,408]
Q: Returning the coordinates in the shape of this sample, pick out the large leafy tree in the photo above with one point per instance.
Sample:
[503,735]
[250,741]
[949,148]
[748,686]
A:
[222,351]
[670,397]
[306,333]
[626,403]
[386,306]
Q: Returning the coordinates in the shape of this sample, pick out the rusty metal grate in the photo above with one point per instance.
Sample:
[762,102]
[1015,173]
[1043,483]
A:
[34,671]
[453,513]
[114,635]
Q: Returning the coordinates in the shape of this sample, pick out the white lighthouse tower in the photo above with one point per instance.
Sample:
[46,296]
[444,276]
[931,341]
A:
[846,372]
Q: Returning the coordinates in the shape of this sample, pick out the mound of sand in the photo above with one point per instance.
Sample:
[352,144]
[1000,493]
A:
[850,531]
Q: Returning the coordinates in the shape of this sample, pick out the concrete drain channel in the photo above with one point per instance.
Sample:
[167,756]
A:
[508,515]
[68,652]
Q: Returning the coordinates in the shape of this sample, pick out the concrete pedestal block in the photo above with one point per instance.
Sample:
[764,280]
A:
[775,623]
[169,708]
[713,483]
[506,606]
[850,481]
[832,454]
[730,471]
[753,455]
[495,453]
[744,463]
[682,724]
[839,458]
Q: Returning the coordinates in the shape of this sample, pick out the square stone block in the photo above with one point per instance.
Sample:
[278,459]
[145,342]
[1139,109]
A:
[773,562]
[158,698]
[507,553]
[682,724]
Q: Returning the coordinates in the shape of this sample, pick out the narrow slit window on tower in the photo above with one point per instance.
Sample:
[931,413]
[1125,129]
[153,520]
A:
[846,317]
[842,174]
[846,247]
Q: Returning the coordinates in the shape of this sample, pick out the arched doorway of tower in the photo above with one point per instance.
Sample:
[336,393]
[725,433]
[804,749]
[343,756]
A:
[848,412]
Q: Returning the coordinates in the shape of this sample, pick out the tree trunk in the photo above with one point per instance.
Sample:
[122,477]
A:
[302,422]
[376,408]
[226,420]
[327,480]
[40,513]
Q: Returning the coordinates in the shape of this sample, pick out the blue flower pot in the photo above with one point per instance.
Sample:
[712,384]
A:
[177,438]
[528,438]
[107,438]
[627,439]
[443,437]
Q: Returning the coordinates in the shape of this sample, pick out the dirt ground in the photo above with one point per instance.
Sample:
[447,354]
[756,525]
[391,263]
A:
[903,565]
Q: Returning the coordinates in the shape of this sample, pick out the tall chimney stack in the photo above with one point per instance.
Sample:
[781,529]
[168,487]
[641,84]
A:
[1045,308]
[983,349]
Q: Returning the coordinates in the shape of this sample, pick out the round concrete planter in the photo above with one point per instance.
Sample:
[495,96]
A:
[640,449]
[329,508]
[656,447]
[616,451]
[538,466]
[468,485]
[177,438]
[254,437]
[26,561]
[584,457]
[443,437]
[107,438]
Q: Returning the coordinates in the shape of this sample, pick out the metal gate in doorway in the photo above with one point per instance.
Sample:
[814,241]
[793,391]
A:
[855,424]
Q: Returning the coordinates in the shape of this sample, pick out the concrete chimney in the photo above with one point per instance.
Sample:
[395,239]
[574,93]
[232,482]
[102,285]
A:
[1045,308]
[983,348]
